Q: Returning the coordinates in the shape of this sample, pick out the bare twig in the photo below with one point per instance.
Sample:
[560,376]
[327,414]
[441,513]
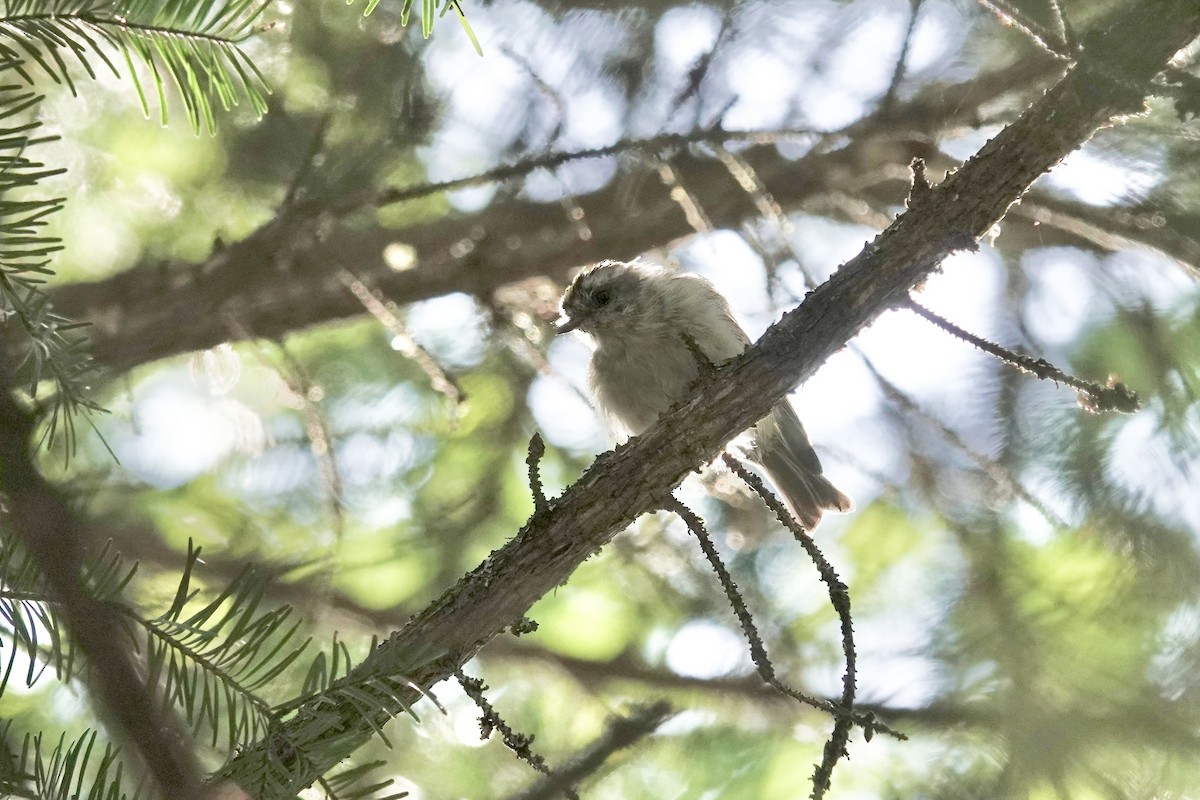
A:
[544,89]
[768,207]
[693,211]
[1014,17]
[321,445]
[839,598]
[1097,398]
[889,98]
[999,474]
[758,650]
[402,340]
[700,68]
[1062,27]
[491,721]
[649,145]
[622,732]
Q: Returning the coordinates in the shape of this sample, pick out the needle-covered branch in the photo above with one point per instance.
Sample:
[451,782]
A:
[633,479]
[42,519]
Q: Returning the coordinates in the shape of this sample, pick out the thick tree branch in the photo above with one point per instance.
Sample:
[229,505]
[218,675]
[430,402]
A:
[636,477]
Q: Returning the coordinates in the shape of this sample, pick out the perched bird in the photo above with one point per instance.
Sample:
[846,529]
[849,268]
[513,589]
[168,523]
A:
[641,318]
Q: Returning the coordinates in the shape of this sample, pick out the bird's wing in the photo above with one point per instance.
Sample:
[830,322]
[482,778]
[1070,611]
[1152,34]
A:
[793,437]
[706,316]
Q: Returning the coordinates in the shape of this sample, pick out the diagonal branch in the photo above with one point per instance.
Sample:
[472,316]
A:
[626,482]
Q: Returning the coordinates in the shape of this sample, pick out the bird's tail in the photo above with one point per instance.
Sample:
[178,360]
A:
[808,493]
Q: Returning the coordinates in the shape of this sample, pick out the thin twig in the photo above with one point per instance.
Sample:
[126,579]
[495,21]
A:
[491,721]
[839,598]
[999,474]
[571,208]
[758,651]
[889,98]
[696,217]
[544,89]
[622,732]
[651,144]
[1062,27]
[768,207]
[402,340]
[1097,398]
[1014,17]
[700,68]
[321,445]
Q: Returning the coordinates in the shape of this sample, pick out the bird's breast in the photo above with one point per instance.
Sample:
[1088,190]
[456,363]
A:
[634,382]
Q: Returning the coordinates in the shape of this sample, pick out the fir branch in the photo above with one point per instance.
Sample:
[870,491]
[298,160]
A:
[194,46]
[53,535]
[68,769]
[428,13]
[57,348]
[29,612]
[351,783]
[213,661]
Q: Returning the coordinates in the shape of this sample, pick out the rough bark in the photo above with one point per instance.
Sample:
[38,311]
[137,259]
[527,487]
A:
[636,478]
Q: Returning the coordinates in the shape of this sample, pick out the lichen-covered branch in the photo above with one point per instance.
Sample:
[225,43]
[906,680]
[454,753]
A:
[628,481]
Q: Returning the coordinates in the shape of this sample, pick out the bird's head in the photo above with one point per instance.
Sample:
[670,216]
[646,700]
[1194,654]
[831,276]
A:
[602,297]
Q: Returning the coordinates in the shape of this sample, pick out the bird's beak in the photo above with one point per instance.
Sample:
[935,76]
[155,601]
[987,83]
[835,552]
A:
[566,325]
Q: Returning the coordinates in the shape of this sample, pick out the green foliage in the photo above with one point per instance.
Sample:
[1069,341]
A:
[58,349]
[429,13]
[69,770]
[193,45]
[30,616]
[213,661]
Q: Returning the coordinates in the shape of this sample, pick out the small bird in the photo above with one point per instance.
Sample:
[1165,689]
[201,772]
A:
[641,319]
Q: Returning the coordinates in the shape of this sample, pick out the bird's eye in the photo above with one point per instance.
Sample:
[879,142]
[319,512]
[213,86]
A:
[601,297]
